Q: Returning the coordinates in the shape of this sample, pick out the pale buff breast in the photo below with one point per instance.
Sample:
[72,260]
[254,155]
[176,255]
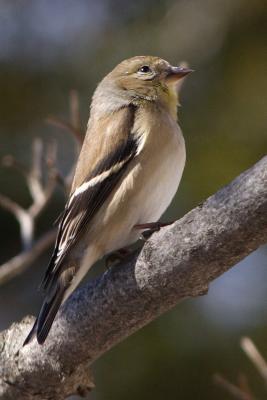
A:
[150,183]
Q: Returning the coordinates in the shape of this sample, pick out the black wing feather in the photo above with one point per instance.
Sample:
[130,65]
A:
[79,212]
[43,322]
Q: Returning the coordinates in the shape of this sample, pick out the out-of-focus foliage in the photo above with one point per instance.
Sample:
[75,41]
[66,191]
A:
[48,48]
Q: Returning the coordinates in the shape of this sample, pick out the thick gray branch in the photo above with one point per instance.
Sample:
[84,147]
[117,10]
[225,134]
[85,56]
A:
[178,262]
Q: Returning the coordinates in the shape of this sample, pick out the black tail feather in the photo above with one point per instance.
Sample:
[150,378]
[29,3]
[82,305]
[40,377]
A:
[46,316]
[31,334]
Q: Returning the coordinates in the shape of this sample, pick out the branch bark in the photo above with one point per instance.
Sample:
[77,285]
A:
[176,263]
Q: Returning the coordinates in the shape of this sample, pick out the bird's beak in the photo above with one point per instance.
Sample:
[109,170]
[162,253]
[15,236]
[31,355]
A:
[176,73]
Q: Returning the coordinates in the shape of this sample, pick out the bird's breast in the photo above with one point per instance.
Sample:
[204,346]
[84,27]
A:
[162,162]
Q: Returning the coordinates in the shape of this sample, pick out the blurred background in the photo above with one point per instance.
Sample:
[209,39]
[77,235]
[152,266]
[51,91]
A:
[48,48]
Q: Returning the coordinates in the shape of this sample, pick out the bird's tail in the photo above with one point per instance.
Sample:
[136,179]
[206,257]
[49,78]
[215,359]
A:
[47,314]
[31,334]
[61,286]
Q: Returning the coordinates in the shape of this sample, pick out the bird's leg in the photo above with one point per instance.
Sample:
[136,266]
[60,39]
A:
[117,256]
[150,227]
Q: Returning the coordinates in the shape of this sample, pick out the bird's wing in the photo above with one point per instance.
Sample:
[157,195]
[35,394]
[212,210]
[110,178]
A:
[92,189]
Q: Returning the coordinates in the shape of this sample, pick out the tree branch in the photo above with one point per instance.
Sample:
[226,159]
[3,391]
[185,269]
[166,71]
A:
[176,263]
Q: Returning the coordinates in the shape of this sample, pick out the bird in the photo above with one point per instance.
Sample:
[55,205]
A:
[127,174]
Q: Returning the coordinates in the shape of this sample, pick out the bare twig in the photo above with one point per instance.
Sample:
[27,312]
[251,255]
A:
[243,391]
[74,126]
[9,161]
[53,173]
[244,386]
[24,219]
[60,123]
[232,389]
[35,174]
[41,184]
[24,260]
[75,110]
[255,357]
[40,192]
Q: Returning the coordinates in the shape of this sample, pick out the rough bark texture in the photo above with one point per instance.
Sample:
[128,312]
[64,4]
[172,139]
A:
[178,262]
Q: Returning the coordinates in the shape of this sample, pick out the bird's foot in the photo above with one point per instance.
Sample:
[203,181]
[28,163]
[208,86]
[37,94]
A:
[117,256]
[149,228]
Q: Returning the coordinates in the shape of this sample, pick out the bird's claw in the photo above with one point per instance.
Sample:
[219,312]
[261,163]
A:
[117,256]
[149,228]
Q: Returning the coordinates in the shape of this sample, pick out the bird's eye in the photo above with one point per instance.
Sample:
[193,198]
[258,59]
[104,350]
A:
[144,69]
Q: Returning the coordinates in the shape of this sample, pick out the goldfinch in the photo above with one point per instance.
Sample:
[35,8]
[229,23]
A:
[128,171]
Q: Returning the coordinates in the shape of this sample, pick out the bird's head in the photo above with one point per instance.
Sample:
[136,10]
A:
[143,78]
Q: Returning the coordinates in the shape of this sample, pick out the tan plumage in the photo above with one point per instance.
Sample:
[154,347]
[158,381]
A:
[128,171]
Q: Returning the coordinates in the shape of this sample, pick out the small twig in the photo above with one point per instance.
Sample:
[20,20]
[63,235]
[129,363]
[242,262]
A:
[232,389]
[69,179]
[21,262]
[73,127]
[41,184]
[34,177]
[244,386]
[37,157]
[24,219]
[51,155]
[60,123]
[255,357]
[42,192]
[54,175]
[75,110]
[9,161]
[59,178]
